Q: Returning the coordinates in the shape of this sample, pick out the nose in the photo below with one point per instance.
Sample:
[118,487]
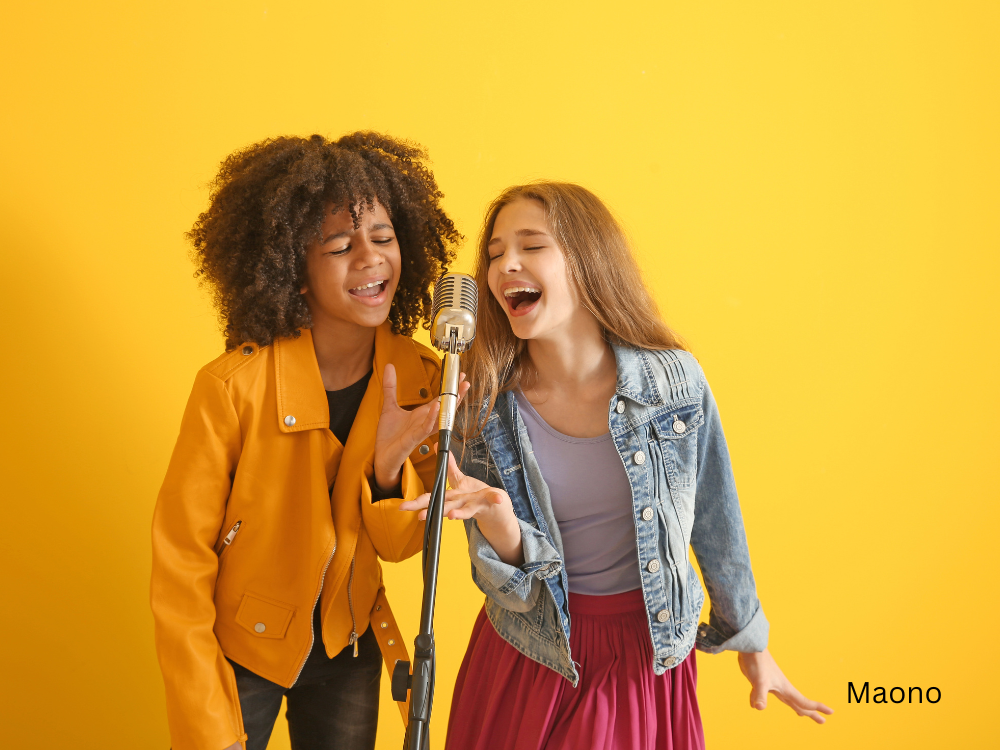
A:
[510,261]
[368,254]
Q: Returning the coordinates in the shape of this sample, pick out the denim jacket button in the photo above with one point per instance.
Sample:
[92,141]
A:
[639,457]
[663,615]
[654,566]
[621,407]
[679,426]
[647,514]
[670,661]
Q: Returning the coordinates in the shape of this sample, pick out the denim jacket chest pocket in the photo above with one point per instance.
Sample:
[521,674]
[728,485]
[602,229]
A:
[674,449]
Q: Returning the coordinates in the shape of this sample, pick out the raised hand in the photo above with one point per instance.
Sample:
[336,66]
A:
[766,677]
[400,431]
[490,506]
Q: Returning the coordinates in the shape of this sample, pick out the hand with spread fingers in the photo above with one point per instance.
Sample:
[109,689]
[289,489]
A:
[489,506]
[766,677]
[400,431]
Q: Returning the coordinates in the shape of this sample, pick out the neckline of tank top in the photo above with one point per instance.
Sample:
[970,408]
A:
[537,418]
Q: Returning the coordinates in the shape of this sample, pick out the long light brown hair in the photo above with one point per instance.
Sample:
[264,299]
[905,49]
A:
[600,265]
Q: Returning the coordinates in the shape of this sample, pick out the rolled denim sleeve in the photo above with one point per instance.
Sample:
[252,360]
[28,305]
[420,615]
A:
[736,620]
[512,587]
[515,588]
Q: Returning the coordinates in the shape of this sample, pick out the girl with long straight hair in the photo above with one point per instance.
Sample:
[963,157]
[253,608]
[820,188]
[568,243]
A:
[595,459]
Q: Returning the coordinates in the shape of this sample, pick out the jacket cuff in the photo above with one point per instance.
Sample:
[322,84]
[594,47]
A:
[409,487]
[541,560]
[378,495]
[752,638]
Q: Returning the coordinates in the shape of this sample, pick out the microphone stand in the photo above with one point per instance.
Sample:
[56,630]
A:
[420,684]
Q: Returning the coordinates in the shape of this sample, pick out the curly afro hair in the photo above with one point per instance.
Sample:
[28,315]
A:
[267,204]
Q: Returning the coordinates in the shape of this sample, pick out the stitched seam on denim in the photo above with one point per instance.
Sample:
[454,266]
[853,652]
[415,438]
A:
[649,413]
[521,648]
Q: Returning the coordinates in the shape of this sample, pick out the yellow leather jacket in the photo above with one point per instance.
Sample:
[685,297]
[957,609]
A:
[261,510]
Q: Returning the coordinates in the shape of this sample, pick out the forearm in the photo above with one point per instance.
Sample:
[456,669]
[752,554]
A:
[504,535]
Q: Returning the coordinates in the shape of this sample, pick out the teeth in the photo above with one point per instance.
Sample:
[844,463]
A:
[515,289]
[366,286]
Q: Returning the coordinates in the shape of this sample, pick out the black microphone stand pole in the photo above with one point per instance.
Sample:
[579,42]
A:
[420,683]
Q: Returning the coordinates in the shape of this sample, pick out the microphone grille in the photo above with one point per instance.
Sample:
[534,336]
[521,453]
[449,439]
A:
[456,299]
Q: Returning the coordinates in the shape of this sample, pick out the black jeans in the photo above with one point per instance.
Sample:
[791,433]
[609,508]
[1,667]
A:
[332,706]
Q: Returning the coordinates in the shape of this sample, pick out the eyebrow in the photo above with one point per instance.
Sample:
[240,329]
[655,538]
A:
[372,228]
[521,233]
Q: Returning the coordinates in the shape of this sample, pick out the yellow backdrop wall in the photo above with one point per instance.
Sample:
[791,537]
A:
[812,187]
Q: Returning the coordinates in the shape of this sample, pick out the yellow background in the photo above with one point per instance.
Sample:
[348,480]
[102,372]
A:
[812,189]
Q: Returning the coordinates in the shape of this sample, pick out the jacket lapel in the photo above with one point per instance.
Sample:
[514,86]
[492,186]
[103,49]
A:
[302,403]
[301,399]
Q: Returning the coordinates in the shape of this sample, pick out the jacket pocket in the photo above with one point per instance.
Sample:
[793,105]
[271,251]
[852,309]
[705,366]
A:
[226,545]
[264,617]
[228,539]
[676,431]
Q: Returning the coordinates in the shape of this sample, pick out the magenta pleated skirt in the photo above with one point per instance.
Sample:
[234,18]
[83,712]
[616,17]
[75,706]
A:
[505,701]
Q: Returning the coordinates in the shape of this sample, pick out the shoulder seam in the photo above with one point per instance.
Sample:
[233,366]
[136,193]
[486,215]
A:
[231,362]
[673,359]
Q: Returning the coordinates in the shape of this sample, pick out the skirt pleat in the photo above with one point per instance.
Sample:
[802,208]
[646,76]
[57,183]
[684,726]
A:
[505,701]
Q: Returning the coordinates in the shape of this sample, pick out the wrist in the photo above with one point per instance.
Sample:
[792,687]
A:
[387,480]
[503,532]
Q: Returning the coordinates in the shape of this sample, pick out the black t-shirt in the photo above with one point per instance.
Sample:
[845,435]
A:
[344,405]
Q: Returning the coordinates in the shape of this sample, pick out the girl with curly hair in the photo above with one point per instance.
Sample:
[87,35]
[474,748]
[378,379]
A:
[596,459]
[299,443]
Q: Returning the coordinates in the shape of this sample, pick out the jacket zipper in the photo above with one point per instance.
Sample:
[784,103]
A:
[312,635]
[230,537]
[350,604]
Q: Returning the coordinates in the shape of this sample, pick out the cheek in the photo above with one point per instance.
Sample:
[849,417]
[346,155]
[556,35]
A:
[558,288]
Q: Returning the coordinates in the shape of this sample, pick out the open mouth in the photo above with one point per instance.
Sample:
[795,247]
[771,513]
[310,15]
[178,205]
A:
[520,299]
[370,290]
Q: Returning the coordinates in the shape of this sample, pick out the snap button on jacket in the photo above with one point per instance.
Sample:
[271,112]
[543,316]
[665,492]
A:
[301,506]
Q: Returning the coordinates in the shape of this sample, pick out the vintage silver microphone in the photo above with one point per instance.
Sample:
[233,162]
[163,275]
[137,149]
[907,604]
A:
[453,329]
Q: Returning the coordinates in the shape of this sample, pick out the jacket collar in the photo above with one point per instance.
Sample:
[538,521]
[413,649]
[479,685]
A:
[301,396]
[635,376]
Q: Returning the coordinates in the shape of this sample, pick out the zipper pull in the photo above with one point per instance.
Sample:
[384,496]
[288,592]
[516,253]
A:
[232,534]
[354,640]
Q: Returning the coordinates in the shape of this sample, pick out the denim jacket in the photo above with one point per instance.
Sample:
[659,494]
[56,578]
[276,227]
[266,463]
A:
[666,428]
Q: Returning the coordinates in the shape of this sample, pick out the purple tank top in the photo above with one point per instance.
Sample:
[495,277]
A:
[592,503]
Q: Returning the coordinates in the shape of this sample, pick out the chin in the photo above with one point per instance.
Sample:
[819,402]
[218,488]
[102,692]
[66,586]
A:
[522,330]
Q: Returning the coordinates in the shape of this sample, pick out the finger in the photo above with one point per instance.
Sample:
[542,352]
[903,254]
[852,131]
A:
[432,412]
[417,503]
[455,475]
[806,706]
[463,388]
[758,696]
[469,504]
[463,507]
[802,705]
[389,388]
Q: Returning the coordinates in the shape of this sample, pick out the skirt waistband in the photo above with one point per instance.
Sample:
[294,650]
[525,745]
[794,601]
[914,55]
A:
[609,604]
